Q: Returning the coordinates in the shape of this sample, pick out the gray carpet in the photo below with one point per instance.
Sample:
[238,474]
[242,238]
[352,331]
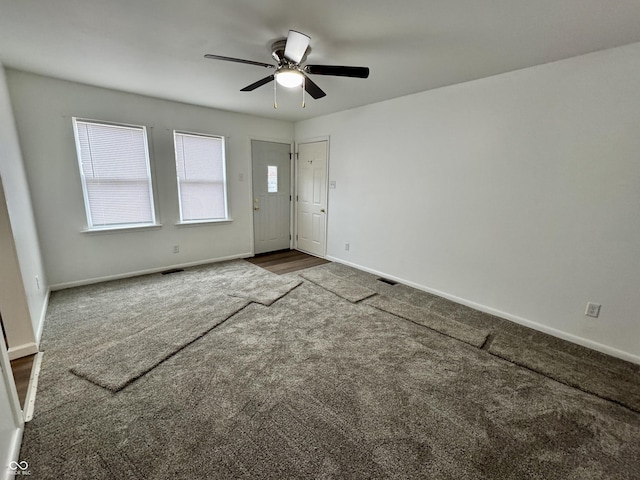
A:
[574,371]
[185,317]
[178,308]
[173,328]
[452,328]
[260,288]
[315,386]
[348,290]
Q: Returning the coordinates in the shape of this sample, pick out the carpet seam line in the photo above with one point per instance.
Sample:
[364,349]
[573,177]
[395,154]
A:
[424,326]
[583,390]
[338,295]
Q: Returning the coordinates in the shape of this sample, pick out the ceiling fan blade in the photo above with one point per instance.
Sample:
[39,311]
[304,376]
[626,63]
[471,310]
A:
[312,89]
[337,71]
[259,83]
[296,46]
[238,60]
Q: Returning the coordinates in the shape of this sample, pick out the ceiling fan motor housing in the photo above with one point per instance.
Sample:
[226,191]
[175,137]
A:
[277,52]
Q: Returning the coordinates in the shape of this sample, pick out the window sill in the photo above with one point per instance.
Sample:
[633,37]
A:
[195,223]
[122,229]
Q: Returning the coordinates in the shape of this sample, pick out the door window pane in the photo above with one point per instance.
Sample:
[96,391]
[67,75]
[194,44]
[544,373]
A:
[272,179]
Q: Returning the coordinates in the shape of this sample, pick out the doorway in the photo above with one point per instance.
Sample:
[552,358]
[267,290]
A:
[271,173]
[311,211]
[21,370]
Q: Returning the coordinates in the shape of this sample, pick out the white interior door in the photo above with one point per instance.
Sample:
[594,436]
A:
[271,195]
[312,197]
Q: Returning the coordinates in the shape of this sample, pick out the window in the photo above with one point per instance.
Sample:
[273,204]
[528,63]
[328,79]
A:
[272,179]
[115,173]
[202,186]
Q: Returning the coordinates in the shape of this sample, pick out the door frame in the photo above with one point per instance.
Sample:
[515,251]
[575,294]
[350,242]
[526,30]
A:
[6,377]
[291,144]
[326,190]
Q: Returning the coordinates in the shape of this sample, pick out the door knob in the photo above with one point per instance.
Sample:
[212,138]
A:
[322,210]
[256,208]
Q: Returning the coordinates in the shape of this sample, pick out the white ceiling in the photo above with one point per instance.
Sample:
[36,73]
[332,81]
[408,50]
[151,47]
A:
[156,47]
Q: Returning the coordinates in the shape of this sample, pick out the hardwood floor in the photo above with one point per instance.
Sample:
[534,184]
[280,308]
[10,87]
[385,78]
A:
[21,368]
[286,261]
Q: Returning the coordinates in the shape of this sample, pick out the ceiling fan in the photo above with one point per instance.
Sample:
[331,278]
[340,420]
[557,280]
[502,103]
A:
[289,53]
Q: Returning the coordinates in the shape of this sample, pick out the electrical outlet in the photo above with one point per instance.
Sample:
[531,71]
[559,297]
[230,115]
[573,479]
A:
[332,184]
[346,246]
[593,310]
[176,249]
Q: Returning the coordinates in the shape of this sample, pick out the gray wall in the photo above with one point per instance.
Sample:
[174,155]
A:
[518,194]
[44,108]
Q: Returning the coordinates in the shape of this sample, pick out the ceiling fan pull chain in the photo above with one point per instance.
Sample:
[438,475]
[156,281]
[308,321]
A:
[303,89]
[275,95]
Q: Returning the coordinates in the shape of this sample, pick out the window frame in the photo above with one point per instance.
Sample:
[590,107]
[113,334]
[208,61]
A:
[225,194]
[85,193]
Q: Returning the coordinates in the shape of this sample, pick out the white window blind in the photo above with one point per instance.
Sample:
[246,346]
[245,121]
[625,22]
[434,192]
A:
[116,178]
[202,186]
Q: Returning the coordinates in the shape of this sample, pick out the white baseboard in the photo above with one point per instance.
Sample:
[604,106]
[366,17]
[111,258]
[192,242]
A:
[22,350]
[43,315]
[629,357]
[89,281]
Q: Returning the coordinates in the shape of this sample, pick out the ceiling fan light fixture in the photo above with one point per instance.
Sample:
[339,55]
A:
[289,78]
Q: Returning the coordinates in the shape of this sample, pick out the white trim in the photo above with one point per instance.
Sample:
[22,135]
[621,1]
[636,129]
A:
[22,350]
[6,376]
[110,123]
[89,281]
[319,138]
[249,177]
[629,357]
[196,134]
[292,192]
[14,453]
[122,228]
[43,316]
[30,399]
[192,223]
[259,138]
